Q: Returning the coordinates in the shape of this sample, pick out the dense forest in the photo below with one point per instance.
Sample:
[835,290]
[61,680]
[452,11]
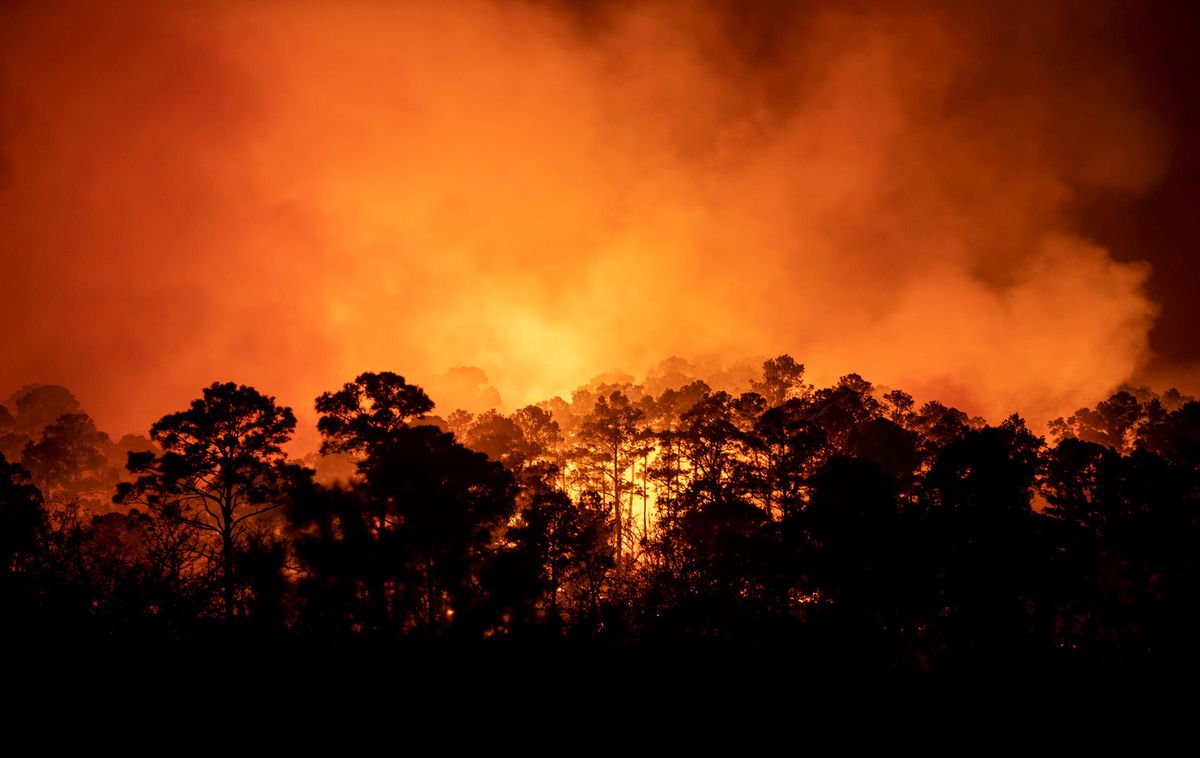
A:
[835,528]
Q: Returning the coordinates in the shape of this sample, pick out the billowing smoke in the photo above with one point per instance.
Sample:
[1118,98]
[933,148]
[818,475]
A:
[287,194]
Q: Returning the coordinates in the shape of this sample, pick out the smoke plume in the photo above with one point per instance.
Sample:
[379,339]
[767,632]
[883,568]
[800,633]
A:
[288,194]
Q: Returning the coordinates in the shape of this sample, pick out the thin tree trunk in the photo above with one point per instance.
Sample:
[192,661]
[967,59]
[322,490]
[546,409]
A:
[617,510]
[227,563]
[645,498]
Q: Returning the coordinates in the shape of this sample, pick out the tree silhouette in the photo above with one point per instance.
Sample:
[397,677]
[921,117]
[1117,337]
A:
[36,406]
[22,529]
[500,438]
[782,380]
[22,516]
[844,527]
[406,547]
[789,448]
[71,459]
[568,543]
[859,556]
[613,439]
[222,465]
[368,411]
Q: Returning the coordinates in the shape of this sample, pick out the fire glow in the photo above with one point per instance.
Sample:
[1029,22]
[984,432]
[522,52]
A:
[289,194]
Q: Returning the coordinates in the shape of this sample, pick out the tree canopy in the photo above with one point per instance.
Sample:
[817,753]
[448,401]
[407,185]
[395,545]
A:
[846,527]
[367,411]
[222,464]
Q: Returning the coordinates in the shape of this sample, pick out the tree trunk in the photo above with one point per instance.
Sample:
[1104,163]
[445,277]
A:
[617,510]
[227,565]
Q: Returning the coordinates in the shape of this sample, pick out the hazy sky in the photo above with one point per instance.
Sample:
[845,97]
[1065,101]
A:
[992,206]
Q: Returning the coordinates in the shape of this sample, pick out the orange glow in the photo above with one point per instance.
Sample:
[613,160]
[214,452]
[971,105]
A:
[288,194]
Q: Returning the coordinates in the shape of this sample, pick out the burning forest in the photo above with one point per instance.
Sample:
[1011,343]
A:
[859,336]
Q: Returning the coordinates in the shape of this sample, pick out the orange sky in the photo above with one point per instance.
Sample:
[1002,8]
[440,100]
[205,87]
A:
[287,194]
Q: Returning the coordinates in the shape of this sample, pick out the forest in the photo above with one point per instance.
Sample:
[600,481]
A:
[844,528]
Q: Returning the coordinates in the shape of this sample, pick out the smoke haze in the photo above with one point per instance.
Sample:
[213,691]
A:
[288,194]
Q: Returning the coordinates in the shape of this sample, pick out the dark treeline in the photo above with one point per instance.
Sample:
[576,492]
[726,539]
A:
[835,529]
